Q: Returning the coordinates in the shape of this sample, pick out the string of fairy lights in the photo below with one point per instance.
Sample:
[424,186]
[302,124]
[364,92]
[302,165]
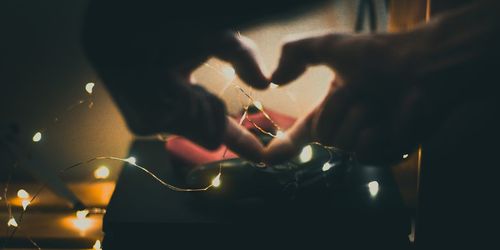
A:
[102,172]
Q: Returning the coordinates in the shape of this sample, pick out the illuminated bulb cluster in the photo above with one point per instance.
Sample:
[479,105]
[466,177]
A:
[97,245]
[12,222]
[373,187]
[82,222]
[327,166]
[24,195]
[37,137]
[306,154]
[405,156]
[132,160]
[101,172]
[216,181]
[258,105]
[89,87]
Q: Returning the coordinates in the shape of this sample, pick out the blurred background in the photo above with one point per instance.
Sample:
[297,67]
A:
[43,78]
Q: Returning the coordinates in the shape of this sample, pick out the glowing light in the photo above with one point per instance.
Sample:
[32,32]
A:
[101,172]
[22,194]
[306,154]
[97,245]
[12,222]
[258,105]
[280,134]
[37,137]
[89,87]
[216,181]
[405,156]
[229,73]
[132,160]
[327,166]
[82,222]
[25,204]
[373,187]
[273,85]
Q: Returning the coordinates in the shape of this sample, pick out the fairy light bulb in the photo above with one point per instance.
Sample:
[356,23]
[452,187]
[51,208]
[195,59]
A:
[273,85]
[101,172]
[258,105]
[326,166]
[12,222]
[89,87]
[132,160]
[405,156]
[229,73]
[37,137]
[373,187]
[306,154]
[216,181]
[82,222]
[25,204]
[97,245]
[280,134]
[22,194]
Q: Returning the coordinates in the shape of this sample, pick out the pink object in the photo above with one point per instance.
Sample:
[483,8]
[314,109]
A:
[192,155]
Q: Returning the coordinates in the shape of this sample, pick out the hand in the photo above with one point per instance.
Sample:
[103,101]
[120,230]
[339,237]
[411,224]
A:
[147,71]
[376,106]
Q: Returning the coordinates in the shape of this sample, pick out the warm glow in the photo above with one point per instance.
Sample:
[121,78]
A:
[132,160]
[373,187]
[229,73]
[273,85]
[22,194]
[37,137]
[306,154]
[405,156]
[89,87]
[258,105]
[82,214]
[101,172]
[327,166]
[97,245]
[25,204]
[12,222]
[82,222]
[216,181]
[280,134]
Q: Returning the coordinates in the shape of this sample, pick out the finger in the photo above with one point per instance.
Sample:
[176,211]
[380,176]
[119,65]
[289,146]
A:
[239,140]
[241,52]
[283,148]
[297,55]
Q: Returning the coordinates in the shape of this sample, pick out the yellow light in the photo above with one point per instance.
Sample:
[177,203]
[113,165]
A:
[132,160]
[306,154]
[12,222]
[216,181]
[89,87]
[82,214]
[82,222]
[101,172]
[326,166]
[373,187]
[405,156]
[273,85]
[258,105]
[22,194]
[280,134]
[25,204]
[37,137]
[229,73]
[97,245]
